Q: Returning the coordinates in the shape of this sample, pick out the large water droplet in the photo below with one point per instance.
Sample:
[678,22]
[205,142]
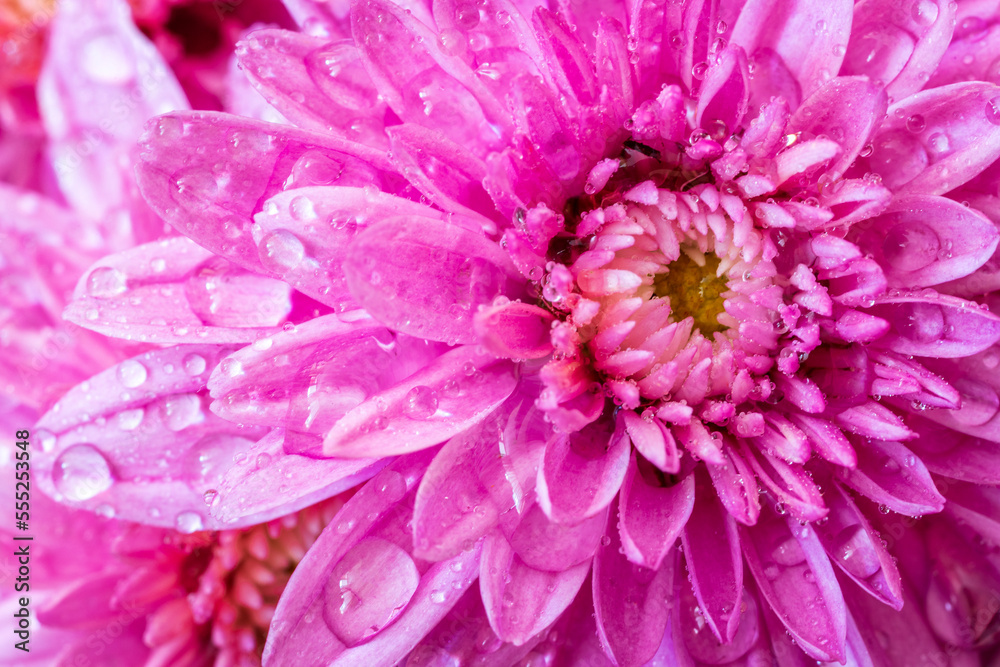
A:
[210,457]
[302,209]
[281,250]
[129,420]
[910,246]
[368,589]
[181,411]
[993,110]
[189,522]
[105,282]
[194,364]
[131,373]
[421,402]
[81,472]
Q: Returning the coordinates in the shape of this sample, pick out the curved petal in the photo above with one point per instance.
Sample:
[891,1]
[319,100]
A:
[795,577]
[714,560]
[452,393]
[214,208]
[631,604]
[858,549]
[545,545]
[581,472]
[426,277]
[651,517]
[892,476]
[736,486]
[520,600]
[936,140]
[899,48]
[724,92]
[947,452]
[921,241]
[935,325]
[174,291]
[317,84]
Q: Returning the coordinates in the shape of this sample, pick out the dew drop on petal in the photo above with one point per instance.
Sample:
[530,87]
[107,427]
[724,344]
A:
[421,402]
[81,472]
[211,497]
[368,589]
[189,522]
[194,364]
[281,250]
[131,373]
[105,282]
[993,110]
[129,420]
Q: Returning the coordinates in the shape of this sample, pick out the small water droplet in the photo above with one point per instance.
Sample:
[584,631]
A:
[131,373]
[189,522]
[81,472]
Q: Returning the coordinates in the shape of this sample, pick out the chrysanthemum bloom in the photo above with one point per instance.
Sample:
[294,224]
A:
[585,281]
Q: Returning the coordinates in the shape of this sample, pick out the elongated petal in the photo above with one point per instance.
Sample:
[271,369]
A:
[858,550]
[581,472]
[936,325]
[953,454]
[891,475]
[216,208]
[724,92]
[174,291]
[714,560]
[921,241]
[795,577]
[630,603]
[652,517]
[520,600]
[545,545]
[737,488]
[936,140]
[426,277]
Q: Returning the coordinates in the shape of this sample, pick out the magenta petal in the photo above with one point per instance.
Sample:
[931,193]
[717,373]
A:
[736,486]
[749,643]
[582,471]
[653,440]
[515,330]
[899,49]
[858,549]
[936,140]
[921,241]
[714,560]
[317,84]
[545,545]
[520,600]
[426,277]
[454,392]
[790,483]
[953,454]
[215,209]
[801,36]
[290,247]
[935,325]
[453,506]
[977,507]
[320,613]
[724,93]
[847,109]
[795,577]
[651,517]
[174,291]
[891,475]
[631,604]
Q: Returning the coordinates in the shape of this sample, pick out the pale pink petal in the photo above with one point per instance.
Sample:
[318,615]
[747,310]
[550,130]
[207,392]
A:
[651,517]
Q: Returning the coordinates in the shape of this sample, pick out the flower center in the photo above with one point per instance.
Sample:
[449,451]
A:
[694,289]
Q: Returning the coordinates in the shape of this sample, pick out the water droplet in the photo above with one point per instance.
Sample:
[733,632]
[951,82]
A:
[916,123]
[280,250]
[924,12]
[194,364]
[993,110]
[421,402]
[699,69]
[302,209]
[211,497]
[131,373]
[129,420]
[181,411]
[81,472]
[368,589]
[189,522]
[105,282]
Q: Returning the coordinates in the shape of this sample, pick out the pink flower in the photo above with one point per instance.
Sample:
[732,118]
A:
[573,284]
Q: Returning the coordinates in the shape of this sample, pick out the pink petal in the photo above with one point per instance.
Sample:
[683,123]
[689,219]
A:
[744,647]
[847,109]
[454,392]
[545,545]
[316,84]
[652,516]
[936,325]
[98,61]
[581,472]
[568,60]
[215,209]
[899,49]
[858,549]
[921,241]
[946,452]
[795,577]
[173,291]
[515,330]
[520,600]
[653,440]
[319,614]
[792,486]
[631,604]
[936,140]
[724,92]
[892,476]
[736,486]
[426,277]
